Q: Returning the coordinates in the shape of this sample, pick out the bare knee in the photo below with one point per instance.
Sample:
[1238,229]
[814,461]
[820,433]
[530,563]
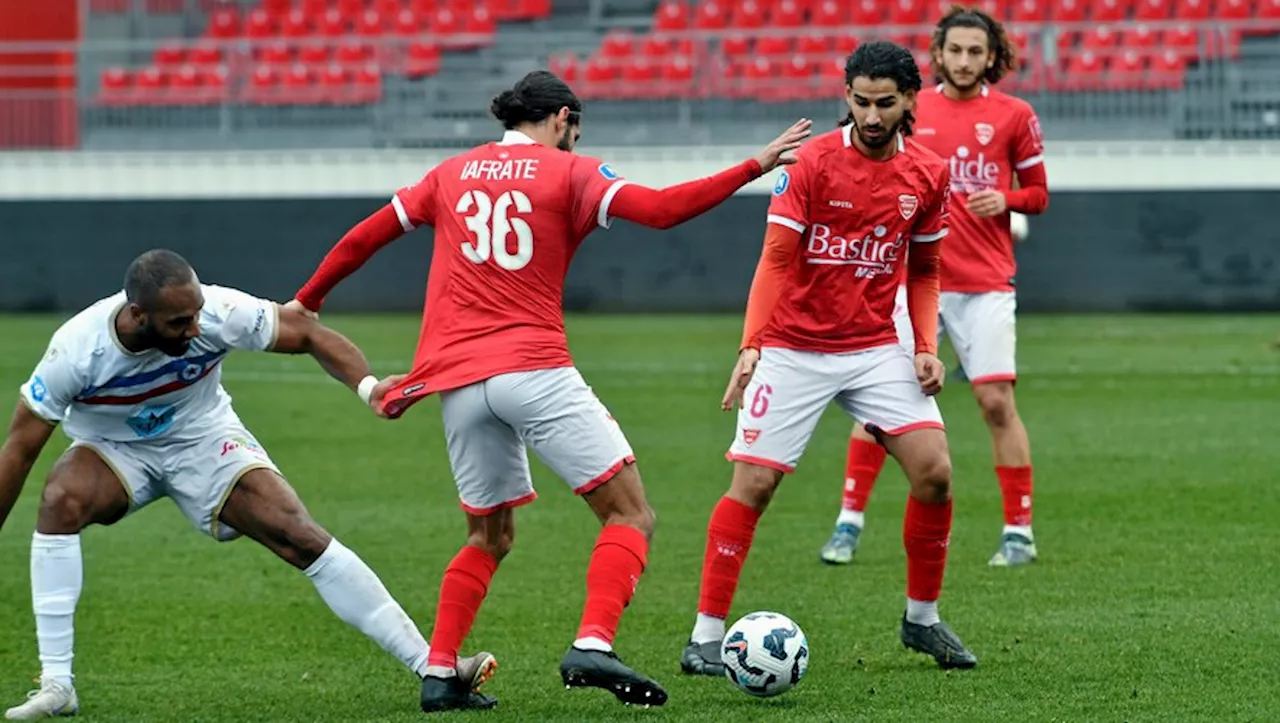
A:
[65,509]
[754,485]
[931,478]
[996,402]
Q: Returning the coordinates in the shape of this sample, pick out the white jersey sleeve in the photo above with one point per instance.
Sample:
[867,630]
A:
[55,382]
[236,320]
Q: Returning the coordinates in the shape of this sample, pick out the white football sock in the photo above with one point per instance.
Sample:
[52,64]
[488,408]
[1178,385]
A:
[922,613]
[355,594]
[707,630]
[1024,530]
[57,576]
[592,644]
[850,517]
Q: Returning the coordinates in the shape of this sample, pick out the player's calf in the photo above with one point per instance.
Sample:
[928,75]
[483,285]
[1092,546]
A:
[754,485]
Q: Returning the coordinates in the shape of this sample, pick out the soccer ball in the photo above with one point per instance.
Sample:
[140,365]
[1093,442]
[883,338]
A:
[765,654]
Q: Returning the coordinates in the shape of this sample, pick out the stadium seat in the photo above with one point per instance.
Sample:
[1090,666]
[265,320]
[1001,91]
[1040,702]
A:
[389,8]
[275,7]
[296,24]
[184,87]
[276,54]
[350,9]
[844,45]
[479,21]
[1021,40]
[352,54]
[735,47]
[1184,38]
[1138,36]
[169,55]
[1167,70]
[224,23]
[829,14]
[798,81]
[1220,43]
[1234,9]
[1101,38]
[150,86]
[813,47]
[335,85]
[264,82]
[831,72]
[116,87]
[759,78]
[298,86]
[866,12]
[565,65]
[787,14]
[215,84]
[1083,71]
[1193,10]
[1268,10]
[260,25]
[314,8]
[313,54]
[369,24]
[773,46]
[424,60]
[1110,11]
[677,77]
[1065,41]
[618,44]
[1067,11]
[906,12]
[1126,70]
[748,14]
[332,24]
[710,15]
[204,54]
[1029,11]
[671,15]
[656,47]
[1153,9]
[640,78]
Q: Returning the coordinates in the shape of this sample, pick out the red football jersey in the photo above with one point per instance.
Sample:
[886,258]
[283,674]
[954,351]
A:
[986,140]
[508,218]
[855,216]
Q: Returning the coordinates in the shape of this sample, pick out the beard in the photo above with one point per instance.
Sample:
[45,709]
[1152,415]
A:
[886,135]
[956,83]
[566,140]
[151,338]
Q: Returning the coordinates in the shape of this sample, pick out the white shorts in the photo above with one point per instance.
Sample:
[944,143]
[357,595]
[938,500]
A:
[983,333]
[982,328]
[198,475]
[488,424]
[790,389]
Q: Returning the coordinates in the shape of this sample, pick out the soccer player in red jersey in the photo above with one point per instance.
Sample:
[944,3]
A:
[989,138]
[508,217]
[862,211]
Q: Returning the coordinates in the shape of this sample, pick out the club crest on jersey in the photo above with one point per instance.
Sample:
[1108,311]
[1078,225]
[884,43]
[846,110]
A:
[985,132]
[191,372]
[907,205]
[749,436]
[780,186]
[608,173]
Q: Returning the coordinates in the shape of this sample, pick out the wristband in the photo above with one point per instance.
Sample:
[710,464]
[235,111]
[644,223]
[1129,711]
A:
[365,389]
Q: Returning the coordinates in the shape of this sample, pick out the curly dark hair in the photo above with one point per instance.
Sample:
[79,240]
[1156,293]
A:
[960,16]
[883,59]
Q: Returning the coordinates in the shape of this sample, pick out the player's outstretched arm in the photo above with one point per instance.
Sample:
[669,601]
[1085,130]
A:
[28,434]
[673,205]
[351,252]
[298,333]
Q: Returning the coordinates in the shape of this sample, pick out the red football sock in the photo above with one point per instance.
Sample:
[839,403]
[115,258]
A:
[729,535]
[616,564]
[866,459]
[1015,488]
[463,588]
[925,533]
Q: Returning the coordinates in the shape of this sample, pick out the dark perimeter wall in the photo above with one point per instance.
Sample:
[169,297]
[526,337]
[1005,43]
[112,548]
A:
[1090,252]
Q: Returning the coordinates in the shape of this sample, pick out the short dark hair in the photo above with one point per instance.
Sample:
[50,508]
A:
[883,59]
[538,95]
[153,271]
[1006,53]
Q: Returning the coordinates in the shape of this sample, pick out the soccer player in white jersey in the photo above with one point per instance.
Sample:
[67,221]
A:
[134,380]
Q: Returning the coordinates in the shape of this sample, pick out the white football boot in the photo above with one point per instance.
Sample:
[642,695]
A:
[51,700]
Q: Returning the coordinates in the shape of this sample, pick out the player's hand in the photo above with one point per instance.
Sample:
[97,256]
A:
[930,372]
[772,155]
[985,204]
[295,305]
[740,378]
[380,391]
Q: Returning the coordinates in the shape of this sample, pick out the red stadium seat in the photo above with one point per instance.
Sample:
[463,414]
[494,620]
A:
[479,21]
[184,86]
[1100,38]
[424,59]
[351,9]
[169,55]
[1223,44]
[906,12]
[263,85]
[446,22]
[1126,70]
[388,8]
[296,24]
[275,7]
[224,23]
[1268,10]
[1029,11]
[1196,10]
[352,54]
[335,85]
[813,47]
[260,24]
[671,15]
[332,24]
[314,8]
[677,77]
[1082,71]
[1168,70]
[369,24]
[844,46]
[798,80]
[759,77]
[313,54]
[1153,9]
[205,55]
[1184,38]
[1066,41]
[150,85]
[656,47]
[735,47]
[711,15]
[408,23]
[773,46]
[117,87]
[298,86]
[1021,40]
[831,72]
[640,78]
[215,84]
[748,14]
[599,76]
[1110,11]
[829,14]
[866,12]
[787,14]
[1068,11]
[1139,36]
[277,54]
[618,44]
[1233,10]
[564,65]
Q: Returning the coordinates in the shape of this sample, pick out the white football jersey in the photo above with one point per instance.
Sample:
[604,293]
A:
[97,389]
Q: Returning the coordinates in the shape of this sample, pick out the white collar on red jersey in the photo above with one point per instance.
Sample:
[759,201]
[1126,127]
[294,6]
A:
[986,89]
[516,138]
[846,132]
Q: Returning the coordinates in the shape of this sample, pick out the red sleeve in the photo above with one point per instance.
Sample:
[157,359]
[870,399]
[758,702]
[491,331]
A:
[922,295]
[674,205]
[789,206]
[781,242]
[415,205]
[931,225]
[594,185]
[1032,194]
[356,247]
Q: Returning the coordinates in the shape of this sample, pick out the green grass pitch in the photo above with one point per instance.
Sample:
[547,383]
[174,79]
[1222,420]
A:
[1156,450]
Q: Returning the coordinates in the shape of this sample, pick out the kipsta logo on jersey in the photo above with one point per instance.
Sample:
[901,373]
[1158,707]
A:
[907,205]
[607,172]
[985,132]
[38,390]
[780,186]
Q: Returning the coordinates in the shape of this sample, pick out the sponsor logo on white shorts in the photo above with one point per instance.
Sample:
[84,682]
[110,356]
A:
[235,443]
